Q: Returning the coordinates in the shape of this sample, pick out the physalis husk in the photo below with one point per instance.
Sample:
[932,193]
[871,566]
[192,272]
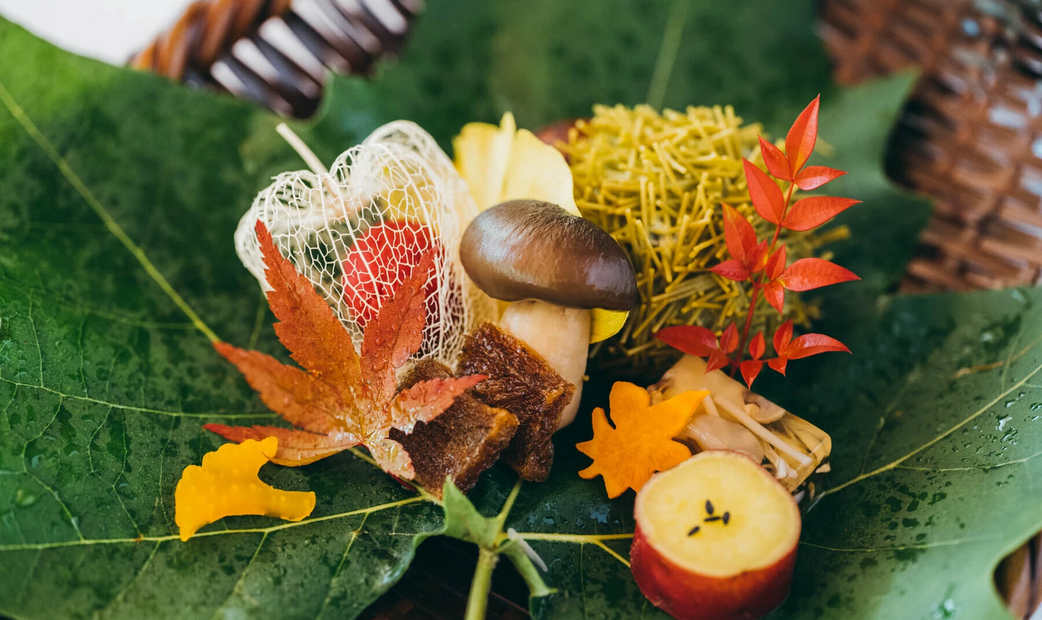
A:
[227,484]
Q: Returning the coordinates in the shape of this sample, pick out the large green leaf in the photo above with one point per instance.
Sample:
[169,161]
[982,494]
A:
[118,196]
[118,190]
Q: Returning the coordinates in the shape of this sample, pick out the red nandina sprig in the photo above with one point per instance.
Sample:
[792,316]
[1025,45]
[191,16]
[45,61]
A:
[762,263]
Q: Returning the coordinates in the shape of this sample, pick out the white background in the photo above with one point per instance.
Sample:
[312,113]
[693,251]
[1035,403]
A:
[110,30]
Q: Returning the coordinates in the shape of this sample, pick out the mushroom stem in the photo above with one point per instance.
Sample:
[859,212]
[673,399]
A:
[560,335]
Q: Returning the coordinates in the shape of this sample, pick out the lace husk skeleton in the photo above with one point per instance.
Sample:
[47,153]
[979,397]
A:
[398,174]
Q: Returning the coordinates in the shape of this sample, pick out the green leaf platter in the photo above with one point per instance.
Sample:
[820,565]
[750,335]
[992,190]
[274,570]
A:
[119,193]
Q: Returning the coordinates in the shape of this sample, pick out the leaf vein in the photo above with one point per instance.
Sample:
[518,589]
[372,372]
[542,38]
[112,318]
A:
[110,223]
[332,580]
[115,492]
[242,577]
[24,588]
[973,468]
[263,530]
[173,414]
[123,591]
[943,543]
[36,336]
[612,552]
[893,464]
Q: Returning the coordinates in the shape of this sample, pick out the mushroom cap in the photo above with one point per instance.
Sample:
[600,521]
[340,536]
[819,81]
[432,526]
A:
[530,249]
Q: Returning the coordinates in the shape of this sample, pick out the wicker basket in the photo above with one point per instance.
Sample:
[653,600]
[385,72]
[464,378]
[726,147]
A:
[970,137]
[275,52]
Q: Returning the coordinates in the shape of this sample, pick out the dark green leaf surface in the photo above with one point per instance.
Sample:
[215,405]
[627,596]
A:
[118,197]
[119,190]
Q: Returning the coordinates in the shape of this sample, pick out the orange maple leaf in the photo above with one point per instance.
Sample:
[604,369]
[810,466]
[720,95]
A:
[340,400]
[641,443]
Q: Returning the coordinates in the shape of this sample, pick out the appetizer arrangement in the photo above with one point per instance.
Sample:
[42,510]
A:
[442,315]
[913,462]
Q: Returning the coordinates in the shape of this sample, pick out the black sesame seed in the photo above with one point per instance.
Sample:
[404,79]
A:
[694,530]
[727,517]
[711,519]
[709,507]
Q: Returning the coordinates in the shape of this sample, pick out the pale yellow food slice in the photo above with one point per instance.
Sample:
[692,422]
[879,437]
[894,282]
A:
[763,519]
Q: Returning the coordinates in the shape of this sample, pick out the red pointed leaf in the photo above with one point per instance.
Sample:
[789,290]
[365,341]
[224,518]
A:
[396,333]
[307,326]
[750,370]
[774,293]
[813,344]
[758,257]
[776,263]
[295,447]
[799,143]
[294,394]
[732,270]
[690,339]
[764,192]
[782,337]
[777,162]
[739,234]
[717,360]
[812,212]
[813,177]
[757,346]
[729,339]
[426,400]
[778,364]
[810,273]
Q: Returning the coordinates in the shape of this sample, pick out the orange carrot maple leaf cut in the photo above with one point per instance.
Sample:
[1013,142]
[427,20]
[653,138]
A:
[641,442]
[340,400]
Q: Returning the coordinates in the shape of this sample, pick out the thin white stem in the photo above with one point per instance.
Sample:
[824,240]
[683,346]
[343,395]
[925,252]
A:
[310,159]
[303,150]
[739,414]
[710,406]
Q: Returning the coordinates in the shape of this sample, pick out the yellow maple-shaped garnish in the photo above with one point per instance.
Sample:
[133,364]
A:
[227,484]
[505,163]
[641,443]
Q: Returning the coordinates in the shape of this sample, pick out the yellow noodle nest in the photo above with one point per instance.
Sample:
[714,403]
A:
[656,183]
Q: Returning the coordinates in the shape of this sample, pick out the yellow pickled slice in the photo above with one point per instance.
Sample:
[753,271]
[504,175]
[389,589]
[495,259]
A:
[227,484]
[757,521]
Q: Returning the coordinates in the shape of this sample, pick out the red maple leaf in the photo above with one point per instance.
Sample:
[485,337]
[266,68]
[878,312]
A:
[340,400]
